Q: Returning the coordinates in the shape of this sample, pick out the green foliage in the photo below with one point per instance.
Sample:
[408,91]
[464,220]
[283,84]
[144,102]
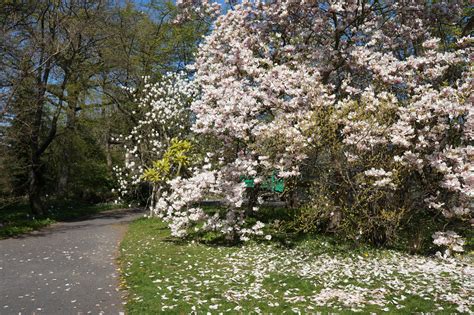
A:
[105,47]
[76,166]
[176,158]
[16,220]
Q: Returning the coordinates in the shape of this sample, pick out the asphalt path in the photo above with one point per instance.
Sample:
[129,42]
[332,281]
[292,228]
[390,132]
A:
[67,268]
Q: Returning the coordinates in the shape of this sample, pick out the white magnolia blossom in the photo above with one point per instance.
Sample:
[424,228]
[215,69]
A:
[163,115]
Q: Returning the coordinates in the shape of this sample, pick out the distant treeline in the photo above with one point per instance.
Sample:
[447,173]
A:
[69,72]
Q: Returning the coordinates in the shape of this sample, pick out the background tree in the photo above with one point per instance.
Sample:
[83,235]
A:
[70,70]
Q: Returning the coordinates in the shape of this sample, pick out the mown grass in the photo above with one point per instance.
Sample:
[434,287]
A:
[17,219]
[163,275]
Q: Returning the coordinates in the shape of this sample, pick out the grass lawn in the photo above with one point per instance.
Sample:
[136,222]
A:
[164,275]
[17,220]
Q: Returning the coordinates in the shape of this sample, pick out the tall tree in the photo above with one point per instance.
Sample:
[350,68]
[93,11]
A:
[70,72]
[50,44]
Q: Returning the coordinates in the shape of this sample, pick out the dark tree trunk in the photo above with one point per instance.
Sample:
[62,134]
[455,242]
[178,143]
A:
[108,149]
[108,156]
[34,191]
[34,188]
[252,195]
[67,147]
[42,77]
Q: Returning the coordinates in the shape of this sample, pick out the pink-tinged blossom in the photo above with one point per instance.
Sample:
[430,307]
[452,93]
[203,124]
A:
[450,240]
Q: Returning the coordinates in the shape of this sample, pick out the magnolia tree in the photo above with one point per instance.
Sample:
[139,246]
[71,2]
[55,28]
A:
[163,119]
[361,96]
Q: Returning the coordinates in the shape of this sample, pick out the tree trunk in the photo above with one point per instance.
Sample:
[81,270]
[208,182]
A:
[155,196]
[64,167]
[108,156]
[108,149]
[68,154]
[34,191]
[252,195]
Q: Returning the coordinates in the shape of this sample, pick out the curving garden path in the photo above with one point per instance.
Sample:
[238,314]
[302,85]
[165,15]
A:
[68,268]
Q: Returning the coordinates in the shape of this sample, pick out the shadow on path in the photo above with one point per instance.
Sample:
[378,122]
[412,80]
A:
[66,268]
[116,216]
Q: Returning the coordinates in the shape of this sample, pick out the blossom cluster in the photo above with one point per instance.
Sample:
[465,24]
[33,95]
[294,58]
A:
[451,240]
[430,130]
[163,114]
[191,9]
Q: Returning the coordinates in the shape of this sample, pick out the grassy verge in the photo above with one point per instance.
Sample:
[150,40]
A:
[315,275]
[16,220]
